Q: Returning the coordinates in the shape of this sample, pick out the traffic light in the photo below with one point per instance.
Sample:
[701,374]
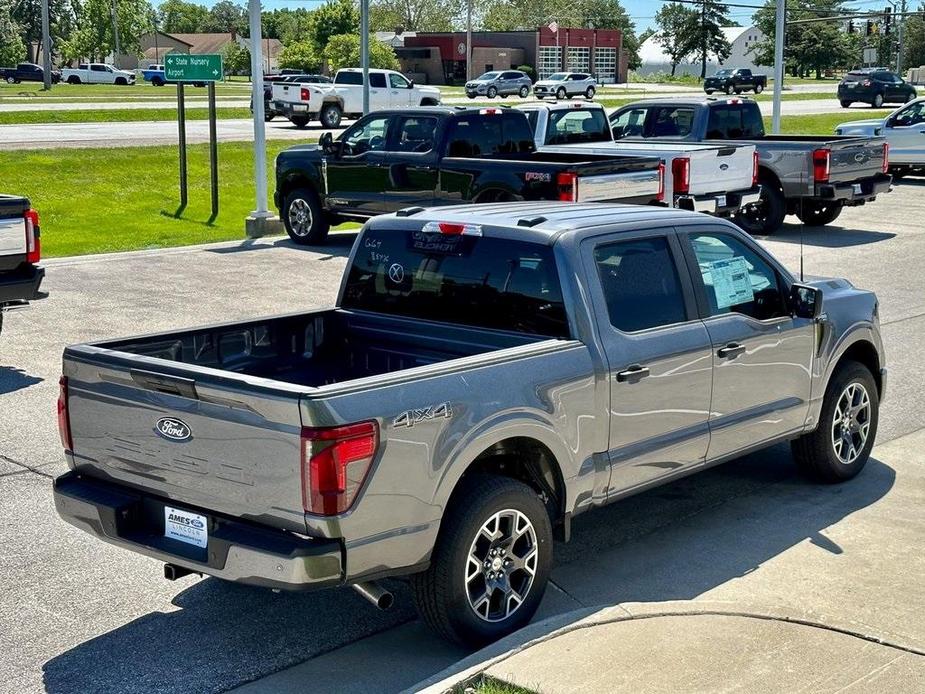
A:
[887,20]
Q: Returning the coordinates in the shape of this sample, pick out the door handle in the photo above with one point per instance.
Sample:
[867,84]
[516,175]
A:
[730,351]
[634,373]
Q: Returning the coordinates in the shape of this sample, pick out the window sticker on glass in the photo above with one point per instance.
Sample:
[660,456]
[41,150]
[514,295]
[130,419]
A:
[731,283]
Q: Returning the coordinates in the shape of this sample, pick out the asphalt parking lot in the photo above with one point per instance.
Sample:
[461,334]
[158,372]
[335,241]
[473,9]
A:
[77,615]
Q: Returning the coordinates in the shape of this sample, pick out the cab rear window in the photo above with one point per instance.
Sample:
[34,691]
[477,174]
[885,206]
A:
[491,283]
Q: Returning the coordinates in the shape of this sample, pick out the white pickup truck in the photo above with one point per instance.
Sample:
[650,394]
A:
[20,252]
[716,179]
[97,73]
[302,102]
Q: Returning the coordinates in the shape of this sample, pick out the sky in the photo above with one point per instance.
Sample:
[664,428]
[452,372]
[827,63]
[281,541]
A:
[642,11]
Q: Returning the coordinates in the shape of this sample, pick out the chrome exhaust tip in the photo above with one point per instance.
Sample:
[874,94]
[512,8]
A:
[375,593]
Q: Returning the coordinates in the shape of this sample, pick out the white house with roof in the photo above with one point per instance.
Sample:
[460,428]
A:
[742,39]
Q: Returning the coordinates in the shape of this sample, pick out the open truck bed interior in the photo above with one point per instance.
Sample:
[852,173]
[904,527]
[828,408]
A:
[321,348]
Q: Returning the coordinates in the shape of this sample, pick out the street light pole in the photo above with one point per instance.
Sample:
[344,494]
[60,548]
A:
[115,31]
[469,40]
[899,50]
[46,47]
[779,29]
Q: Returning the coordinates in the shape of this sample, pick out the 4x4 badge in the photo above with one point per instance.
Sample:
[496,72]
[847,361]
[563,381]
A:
[412,417]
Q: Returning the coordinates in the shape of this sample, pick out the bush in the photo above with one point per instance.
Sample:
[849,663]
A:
[528,70]
[300,55]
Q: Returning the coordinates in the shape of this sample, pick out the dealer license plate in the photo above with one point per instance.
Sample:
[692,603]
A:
[720,200]
[299,107]
[187,527]
[857,188]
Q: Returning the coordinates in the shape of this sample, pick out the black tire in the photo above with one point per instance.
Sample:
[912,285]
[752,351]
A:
[818,214]
[845,103]
[730,90]
[590,92]
[268,116]
[330,115]
[299,121]
[815,452]
[121,81]
[878,101]
[11,80]
[157,81]
[304,219]
[561,93]
[524,92]
[738,91]
[441,593]
[471,96]
[73,79]
[491,93]
[708,91]
[898,172]
[768,214]
[759,88]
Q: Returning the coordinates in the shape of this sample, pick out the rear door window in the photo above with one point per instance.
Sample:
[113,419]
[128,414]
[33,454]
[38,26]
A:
[569,127]
[377,80]
[735,121]
[348,78]
[492,283]
[630,123]
[478,135]
[670,121]
[414,134]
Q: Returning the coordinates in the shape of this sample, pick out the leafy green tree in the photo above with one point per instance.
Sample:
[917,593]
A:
[914,40]
[224,17]
[610,14]
[300,55]
[333,18]
[711,18]
[94,36]
[677,32]
[180,17]
[12,47]
[416,15]
[236,59]
[27,15]
[343,50]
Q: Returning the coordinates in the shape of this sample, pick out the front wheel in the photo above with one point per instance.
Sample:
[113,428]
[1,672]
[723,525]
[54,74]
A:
[121,81]
[878,101]
[765,216]
[708,91]
[730,90]
[524,92]
[11,80]
[817,214]
[845,103]
[560,93]
[759,88]
[73,79]
[304,219]
[157,81]
[491,563]
[839,447]
[330,115]
[491,93]
[589,93]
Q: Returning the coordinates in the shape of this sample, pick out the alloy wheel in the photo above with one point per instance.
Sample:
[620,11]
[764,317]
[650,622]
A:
[300,217]
[851,423]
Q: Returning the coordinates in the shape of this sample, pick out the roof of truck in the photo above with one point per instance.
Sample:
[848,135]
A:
[541,222]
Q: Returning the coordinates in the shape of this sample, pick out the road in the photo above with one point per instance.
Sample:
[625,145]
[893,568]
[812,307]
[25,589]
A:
[77,615]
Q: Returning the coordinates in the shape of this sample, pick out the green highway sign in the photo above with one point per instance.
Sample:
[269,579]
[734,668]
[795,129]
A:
[182,67]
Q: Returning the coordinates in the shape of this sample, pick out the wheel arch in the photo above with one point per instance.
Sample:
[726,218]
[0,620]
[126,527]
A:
[294,180]
[864,352]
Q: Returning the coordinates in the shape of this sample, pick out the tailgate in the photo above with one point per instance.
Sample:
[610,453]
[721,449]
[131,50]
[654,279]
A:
[616,177]
[855,158]
[722,169]
[212,440]
[288,91]
[12,231]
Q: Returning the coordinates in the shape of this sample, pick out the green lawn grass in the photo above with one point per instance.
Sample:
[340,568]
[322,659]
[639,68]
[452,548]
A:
[196,112]
[821,124]
[61,91]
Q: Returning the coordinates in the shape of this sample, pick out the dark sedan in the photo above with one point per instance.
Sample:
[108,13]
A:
[874,86]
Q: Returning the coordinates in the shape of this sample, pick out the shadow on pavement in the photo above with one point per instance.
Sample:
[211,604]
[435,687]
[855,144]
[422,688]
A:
[338,245]
[828,236]
[674,542]
[12,379]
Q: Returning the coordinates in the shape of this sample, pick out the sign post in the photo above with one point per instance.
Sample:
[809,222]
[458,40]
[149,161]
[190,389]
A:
[182,68]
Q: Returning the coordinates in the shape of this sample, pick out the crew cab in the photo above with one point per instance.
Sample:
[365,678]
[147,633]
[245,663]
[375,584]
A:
[27,72]
[904,130]
[810,176]
[20,252]
[735,81]
[436,155]
[487,374]
[97,73]
[301,103]
[716,179]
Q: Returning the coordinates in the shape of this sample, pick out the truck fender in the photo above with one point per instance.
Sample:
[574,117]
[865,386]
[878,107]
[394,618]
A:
[335,99]
[301,178]
[858,335]
[495,193]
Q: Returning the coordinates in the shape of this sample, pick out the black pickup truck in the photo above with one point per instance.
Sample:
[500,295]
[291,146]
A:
[395,159]
[27,72]
[20,253]
[735,82]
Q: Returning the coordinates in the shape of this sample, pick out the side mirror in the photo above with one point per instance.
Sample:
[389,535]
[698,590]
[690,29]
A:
[805,301]
[410,83]
[328,146]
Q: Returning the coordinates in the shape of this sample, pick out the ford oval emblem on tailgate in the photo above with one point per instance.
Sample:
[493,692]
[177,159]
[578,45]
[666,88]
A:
[859,157]
[173,429]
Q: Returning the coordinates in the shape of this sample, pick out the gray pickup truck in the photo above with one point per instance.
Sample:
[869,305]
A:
[20,252]
[487,373]
[810,176]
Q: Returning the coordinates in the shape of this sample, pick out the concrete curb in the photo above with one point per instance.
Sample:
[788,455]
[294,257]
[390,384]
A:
[559,625]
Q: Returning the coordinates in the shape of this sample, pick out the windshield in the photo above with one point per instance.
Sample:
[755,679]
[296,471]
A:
[489,76]
[452,279]
[558,76]
[724,73]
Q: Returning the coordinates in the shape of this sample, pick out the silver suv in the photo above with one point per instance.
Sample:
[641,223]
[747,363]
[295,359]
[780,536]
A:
[500,83]
[566,84]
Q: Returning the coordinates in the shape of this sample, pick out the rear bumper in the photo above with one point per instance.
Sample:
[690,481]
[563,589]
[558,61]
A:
[288,109]
[719,203]
[237,551]
[855,192]
[22,285]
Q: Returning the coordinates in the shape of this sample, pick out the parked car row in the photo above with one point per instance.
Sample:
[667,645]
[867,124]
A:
[27,72]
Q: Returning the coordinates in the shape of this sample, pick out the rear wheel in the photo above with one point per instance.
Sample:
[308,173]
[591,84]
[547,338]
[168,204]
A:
[708,91]
[845,103]
[524,92]
[818,214]
[303,217]
[840,446]
[878,101]
[765,216]
[73,79]
[759,88]
[589,93]
[157,81]
[491,563]
[330,115]
[491,93]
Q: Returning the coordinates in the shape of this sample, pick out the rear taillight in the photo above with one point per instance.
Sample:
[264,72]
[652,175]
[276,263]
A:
[755,168]
[335,462]
[33,237]
[886,157]
[821,159]
[567,185]
[661,182]
[681,175]
[64,420]
[304,94]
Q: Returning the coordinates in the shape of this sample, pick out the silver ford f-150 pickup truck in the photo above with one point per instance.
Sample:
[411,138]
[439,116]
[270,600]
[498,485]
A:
[487,373]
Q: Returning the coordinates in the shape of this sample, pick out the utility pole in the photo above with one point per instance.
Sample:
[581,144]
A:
[46,47]
[469,40]
[899,50]
[115,31]
[704,42]
[364,51]
[779,30]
